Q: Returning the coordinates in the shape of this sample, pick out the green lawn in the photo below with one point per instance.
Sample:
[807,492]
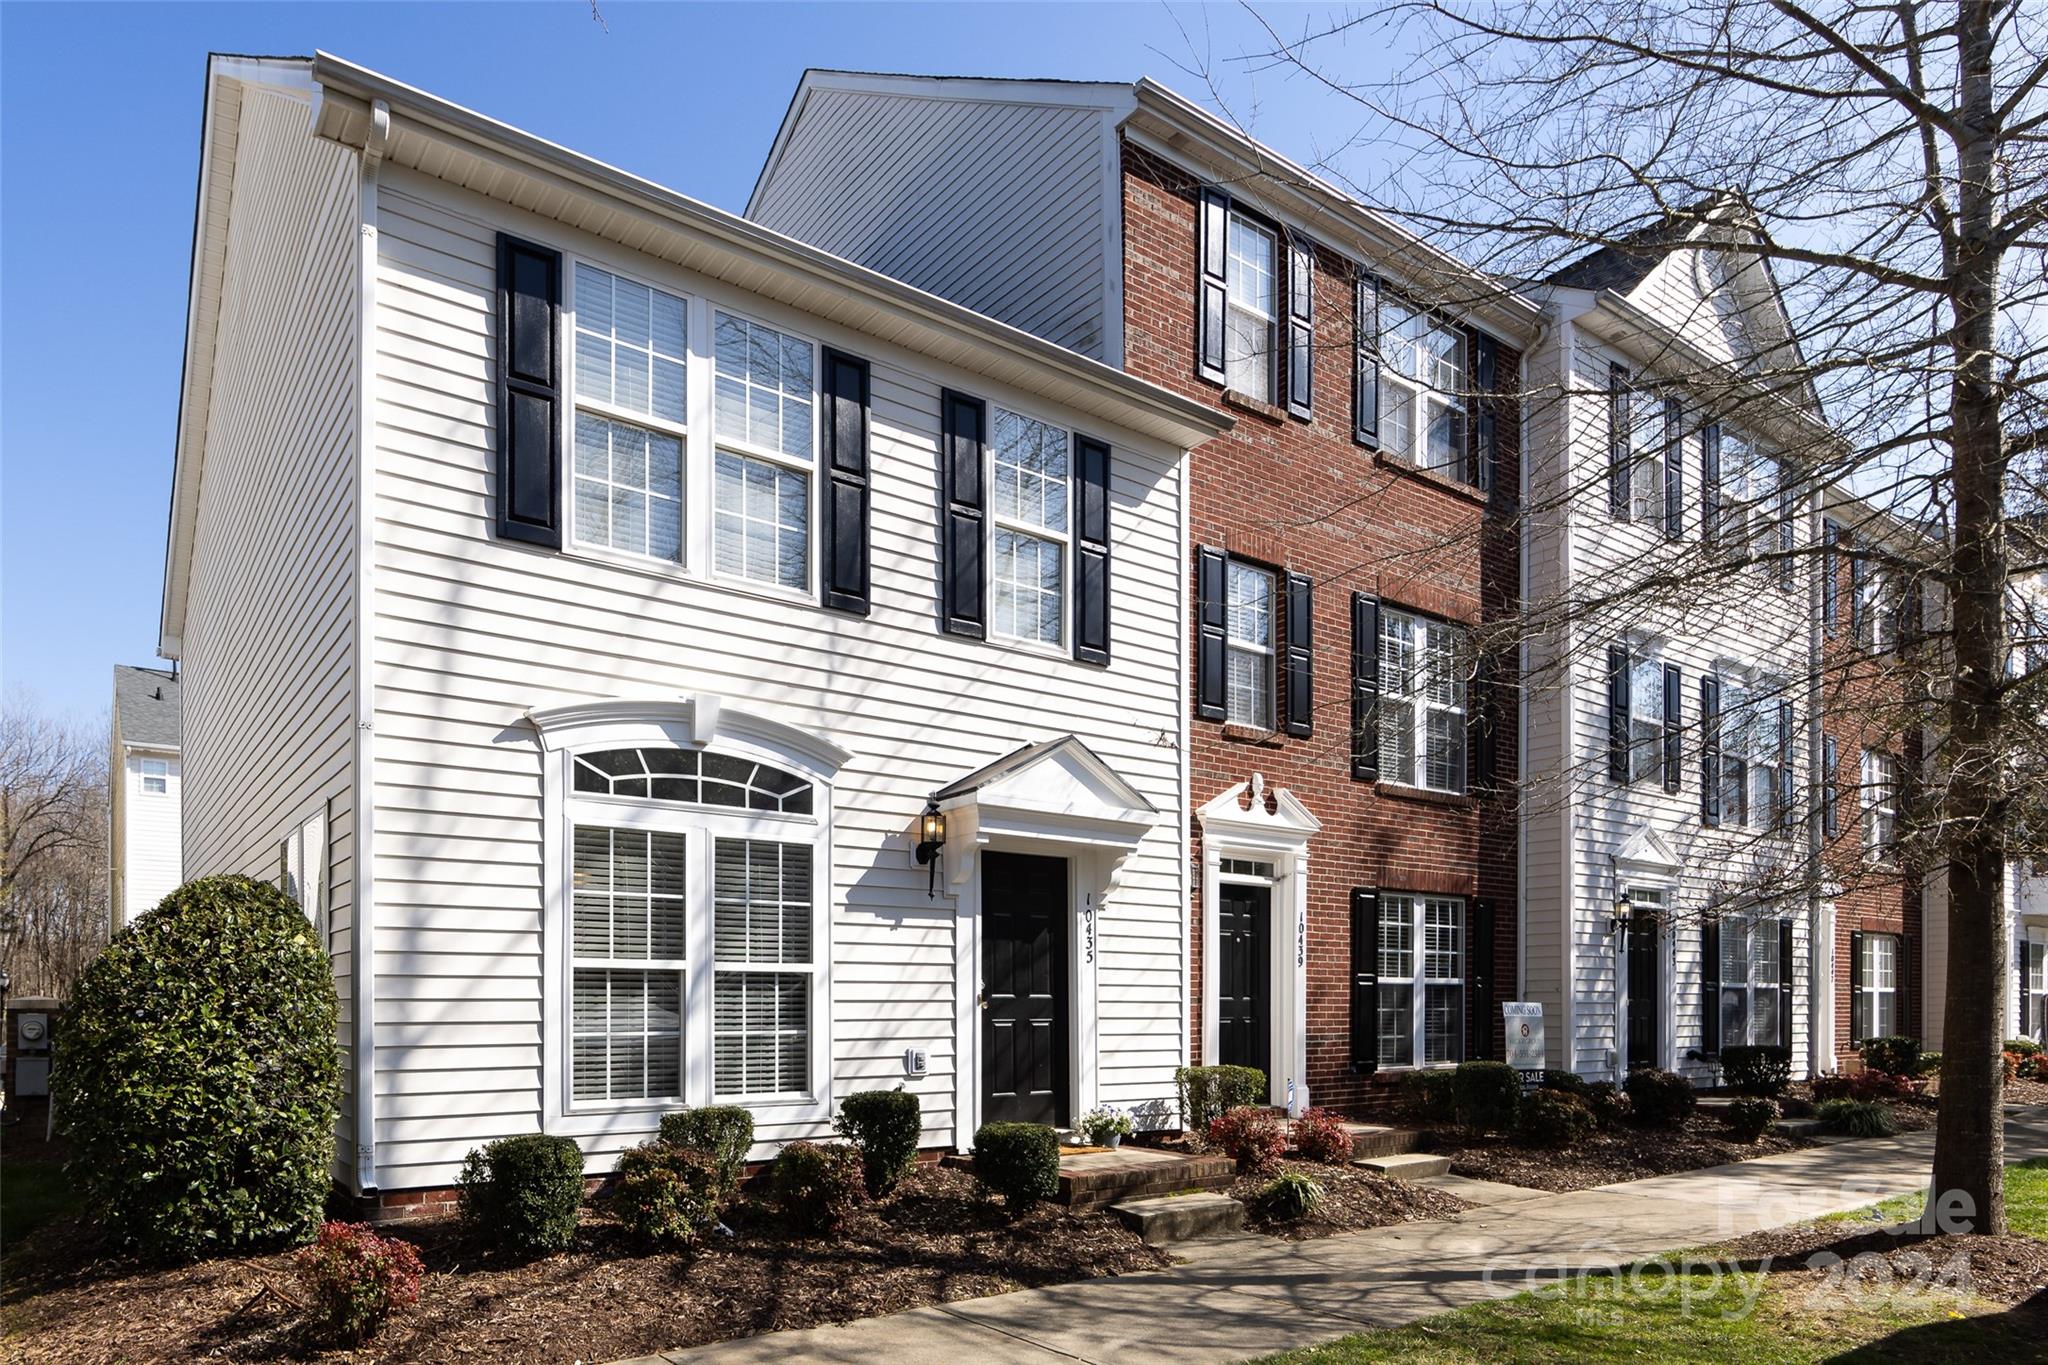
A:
[2026,1202]
[1697,1318]
[32,1193]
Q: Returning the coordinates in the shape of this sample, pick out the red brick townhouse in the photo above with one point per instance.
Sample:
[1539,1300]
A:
[1352,751]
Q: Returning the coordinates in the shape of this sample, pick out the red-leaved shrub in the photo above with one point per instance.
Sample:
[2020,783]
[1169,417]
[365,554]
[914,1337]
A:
[356,1278]
[1865,1087]
[1320,1135]
[1252,1137]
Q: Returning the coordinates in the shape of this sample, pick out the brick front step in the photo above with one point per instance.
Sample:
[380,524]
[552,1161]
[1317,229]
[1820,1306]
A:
[1178,1217]
[1408,1166]
[1089,1180]
[1368,1140]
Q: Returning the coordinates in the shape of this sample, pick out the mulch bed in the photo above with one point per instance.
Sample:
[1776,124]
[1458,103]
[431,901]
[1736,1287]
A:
[934,1240]
[2009,1269]
[1353,1199]
[1608,1156]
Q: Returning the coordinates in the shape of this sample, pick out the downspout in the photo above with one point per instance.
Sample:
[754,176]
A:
[1524,430]
[1567,356]
[1820,946]
[363,940]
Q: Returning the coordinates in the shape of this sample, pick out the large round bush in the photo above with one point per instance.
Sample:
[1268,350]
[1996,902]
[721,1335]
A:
[196,1075]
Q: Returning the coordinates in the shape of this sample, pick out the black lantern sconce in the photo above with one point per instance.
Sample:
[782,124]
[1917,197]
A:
[931,843]
[1624,914]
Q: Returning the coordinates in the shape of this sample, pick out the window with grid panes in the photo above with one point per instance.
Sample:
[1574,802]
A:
[1028,529]
[1421,980]
[1248,650]
[1422,701]
[764,411]
[626,480]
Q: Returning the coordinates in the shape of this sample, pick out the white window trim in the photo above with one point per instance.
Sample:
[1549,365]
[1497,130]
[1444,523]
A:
[1268,650]
[1646,658]
[1877,798]
[1421,708]
[700,722]
[1872,994]
[1064,539]
[699,434]
[1232,279]
[1754,927]
[161,774]
[1421,395]
[1419,981]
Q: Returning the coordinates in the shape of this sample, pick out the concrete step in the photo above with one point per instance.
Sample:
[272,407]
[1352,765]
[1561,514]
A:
[1799,1128]
[1406,1166]
[1370,1140]
[1178,1217]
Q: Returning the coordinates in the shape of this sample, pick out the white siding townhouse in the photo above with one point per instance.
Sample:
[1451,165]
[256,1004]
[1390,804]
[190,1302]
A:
[144,788]
[581,594]
[1668,730]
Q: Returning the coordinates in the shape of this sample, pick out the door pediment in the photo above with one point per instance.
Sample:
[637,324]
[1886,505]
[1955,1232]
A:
[1053,794]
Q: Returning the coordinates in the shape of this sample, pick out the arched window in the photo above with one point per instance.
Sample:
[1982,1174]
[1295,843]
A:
[693,777]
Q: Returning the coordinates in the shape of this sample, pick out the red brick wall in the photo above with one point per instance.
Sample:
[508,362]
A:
[1304,496]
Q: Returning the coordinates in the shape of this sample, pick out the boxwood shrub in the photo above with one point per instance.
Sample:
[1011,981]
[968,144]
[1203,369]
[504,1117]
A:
[1659,1099]
[1552,1118]
[522,1193]
[884,1126]
[1487,1096]
[1894,1056]
[196,1075]
[818,1186]
[668,1196]
[1207,1091]
[723,1132]
[1427,1097]
[1018,1162]
[1763,1070]
[1750,1117]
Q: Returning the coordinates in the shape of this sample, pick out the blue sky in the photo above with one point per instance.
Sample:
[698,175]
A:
[96,197]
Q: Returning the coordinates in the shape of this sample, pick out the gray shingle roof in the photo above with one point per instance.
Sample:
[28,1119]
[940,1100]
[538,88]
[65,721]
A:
[146,709]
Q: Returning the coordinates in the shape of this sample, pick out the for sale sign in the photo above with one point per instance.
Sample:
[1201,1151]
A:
[1525,1034]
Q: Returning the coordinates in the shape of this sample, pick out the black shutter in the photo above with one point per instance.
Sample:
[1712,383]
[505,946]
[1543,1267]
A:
[1674,469]
[1212,255]
[1710,751]
[846,487]
[1479,1035]
[1858,570]
[529,393]
[1785,979]
[1617,712]
[1786,817]
[1618,471]
[1485,403]
[1365,980]
[2019,970]
[1365,687]
[1481,699]
[1710,485]
[1830,577]
[1365,378]
[1710,986]
[1301,333]
[1830,814]
[1859,1003]
[1674,727]
[1091,550]
[1300,659]
[1211,613]
[963,422]
[1902,981]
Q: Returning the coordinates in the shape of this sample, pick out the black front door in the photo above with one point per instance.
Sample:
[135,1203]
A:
[1645,1002]
[1024,988]
[1243,936]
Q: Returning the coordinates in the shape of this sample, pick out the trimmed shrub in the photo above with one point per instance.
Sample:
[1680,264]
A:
[1609,1103]
[1661,1099]
[1866,1087]
[196,1074]
[1487,1095]
[1569,1082]
[1895,1056]
[724,1132]
[1429,1096]
[1251,1137]
[884,1127]
[1320,1135]
[522,1193]
[1858,1118]
[355,1279]
[1017,1162]
[1552,1118]
[1289,1197]
[667,1196]
[1750,1117]
[1207,1091]
[1763,1070]
[818,1186]
[2026,1047]
[1930,1063]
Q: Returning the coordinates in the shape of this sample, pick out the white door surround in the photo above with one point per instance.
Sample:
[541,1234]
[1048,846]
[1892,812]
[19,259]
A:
[1645,863]
[1249,821]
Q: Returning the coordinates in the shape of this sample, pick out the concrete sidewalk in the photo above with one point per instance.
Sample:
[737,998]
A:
[1247,1296]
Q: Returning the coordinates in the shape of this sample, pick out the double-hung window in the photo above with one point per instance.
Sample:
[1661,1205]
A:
[765,416]
[1738,719]
[1877,610]
[1880,793]
[1765,747]
[1645,718]
[1649,445]
[1750,981]
[1251,290]
[627,472]
[1750,497]
[2036,987]
[156,777]
[681,856]
[1874,1013]
[1028,535]
[1248,646]
[1422,389]
[1422,702]
[1421,980]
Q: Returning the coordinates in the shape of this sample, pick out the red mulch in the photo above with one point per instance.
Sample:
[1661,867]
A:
[1353,1199]
[935,1240]
[1608,1156]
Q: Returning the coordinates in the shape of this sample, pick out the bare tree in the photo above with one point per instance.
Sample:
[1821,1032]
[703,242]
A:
[54,810]
[1886,169]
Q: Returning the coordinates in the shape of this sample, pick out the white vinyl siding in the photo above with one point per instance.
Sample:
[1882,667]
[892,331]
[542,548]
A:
[1422,702]
[1028,543]
[1249,656]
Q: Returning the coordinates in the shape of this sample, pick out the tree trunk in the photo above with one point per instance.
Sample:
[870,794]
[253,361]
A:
[1969,1151]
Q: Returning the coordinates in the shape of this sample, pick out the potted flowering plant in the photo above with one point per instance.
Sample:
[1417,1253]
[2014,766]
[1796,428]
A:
[1105,1125]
